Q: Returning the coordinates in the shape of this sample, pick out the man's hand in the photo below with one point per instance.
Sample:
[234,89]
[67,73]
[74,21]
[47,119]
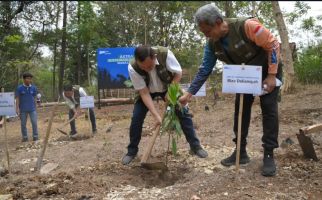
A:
[158,121]
[78,112]
[18,112]
[185,98]
[269,83]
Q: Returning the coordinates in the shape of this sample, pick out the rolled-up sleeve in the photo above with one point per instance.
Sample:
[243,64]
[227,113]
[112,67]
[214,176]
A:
[262,37]
[82,92]
[137,80]
[208,63]
[172,63]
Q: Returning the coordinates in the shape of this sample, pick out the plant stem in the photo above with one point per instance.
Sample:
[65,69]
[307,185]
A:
[166,155]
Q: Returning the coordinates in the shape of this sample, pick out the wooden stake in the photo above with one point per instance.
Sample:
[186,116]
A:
[240,117]
[5,138]
[149,146]
[44,146]
[89,123]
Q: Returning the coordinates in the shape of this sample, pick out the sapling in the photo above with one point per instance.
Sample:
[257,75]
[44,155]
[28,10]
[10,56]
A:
[171,123]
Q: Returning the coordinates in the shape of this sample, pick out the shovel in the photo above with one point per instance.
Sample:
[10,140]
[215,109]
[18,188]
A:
[62,126]
[306,142]
[156,165]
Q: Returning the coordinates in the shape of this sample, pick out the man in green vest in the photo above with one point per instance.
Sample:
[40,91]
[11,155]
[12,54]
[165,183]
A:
[151,71]
[71,95]
[237,41]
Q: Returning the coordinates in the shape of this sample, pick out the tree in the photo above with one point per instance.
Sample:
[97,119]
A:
[55,51]
[228,8]
[63,49]
[285,49]
[14,47]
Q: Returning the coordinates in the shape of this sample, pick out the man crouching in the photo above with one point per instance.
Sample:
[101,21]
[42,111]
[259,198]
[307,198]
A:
[151,71]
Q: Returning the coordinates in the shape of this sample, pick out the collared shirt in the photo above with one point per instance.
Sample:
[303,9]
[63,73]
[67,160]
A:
[155,84]
[26,95]
[71,103]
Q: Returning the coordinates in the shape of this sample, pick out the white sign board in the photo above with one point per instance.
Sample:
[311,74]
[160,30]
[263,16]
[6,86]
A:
[200,93]
[87,102]
[7,104]
[243,79]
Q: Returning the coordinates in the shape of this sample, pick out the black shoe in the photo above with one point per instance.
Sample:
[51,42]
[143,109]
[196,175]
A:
[269,166]
[72,134]
[231,160]
[24,140]
[94,131]
[35,139]
[200,152]
[127,159]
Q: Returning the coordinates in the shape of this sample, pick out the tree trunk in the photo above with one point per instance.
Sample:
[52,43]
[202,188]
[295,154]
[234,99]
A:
[228,8]
[145,31]
[161,24]
[285,48]
[63,50]
[254,9]
[54,71]
[88,66]
[79,50]
[55,53]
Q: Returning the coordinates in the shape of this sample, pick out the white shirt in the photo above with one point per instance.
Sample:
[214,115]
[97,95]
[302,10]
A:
[72,103]
[155,84]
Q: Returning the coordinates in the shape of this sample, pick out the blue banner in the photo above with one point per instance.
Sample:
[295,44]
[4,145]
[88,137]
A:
[112,66]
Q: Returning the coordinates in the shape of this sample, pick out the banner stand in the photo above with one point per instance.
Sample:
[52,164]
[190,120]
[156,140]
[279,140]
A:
[6,139]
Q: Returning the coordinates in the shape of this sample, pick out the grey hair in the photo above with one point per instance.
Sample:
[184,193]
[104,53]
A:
[208,14]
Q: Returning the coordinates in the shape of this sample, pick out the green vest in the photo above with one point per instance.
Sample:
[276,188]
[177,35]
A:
[240,48]
[162,71]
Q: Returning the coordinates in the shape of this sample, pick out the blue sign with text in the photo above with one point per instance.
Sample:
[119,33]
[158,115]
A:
[112,66]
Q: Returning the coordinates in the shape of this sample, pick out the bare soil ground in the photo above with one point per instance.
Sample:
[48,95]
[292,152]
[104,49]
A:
[90,167]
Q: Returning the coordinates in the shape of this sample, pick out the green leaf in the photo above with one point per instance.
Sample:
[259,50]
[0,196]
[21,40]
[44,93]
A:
[128,83]
[178,128]
[165,124]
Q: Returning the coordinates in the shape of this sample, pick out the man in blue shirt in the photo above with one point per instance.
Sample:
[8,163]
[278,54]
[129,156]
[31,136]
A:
[26,94]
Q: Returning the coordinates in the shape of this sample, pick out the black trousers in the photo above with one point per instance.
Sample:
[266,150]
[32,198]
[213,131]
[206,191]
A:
[91,117]
[269,107]
[139,114]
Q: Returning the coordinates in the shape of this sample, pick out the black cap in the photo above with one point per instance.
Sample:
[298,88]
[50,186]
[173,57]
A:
[68,88]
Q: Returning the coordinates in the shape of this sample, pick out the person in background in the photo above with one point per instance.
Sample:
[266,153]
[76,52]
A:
[72,96]
[26,105]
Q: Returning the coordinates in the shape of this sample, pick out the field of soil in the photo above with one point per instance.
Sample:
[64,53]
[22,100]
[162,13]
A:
[89,167]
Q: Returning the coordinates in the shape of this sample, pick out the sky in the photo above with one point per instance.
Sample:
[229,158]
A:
[316,10]
[286,6]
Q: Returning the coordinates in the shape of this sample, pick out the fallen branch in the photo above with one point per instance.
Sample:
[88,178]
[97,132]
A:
[113,100]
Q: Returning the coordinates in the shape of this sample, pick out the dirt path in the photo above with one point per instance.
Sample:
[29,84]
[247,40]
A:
[90,168]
